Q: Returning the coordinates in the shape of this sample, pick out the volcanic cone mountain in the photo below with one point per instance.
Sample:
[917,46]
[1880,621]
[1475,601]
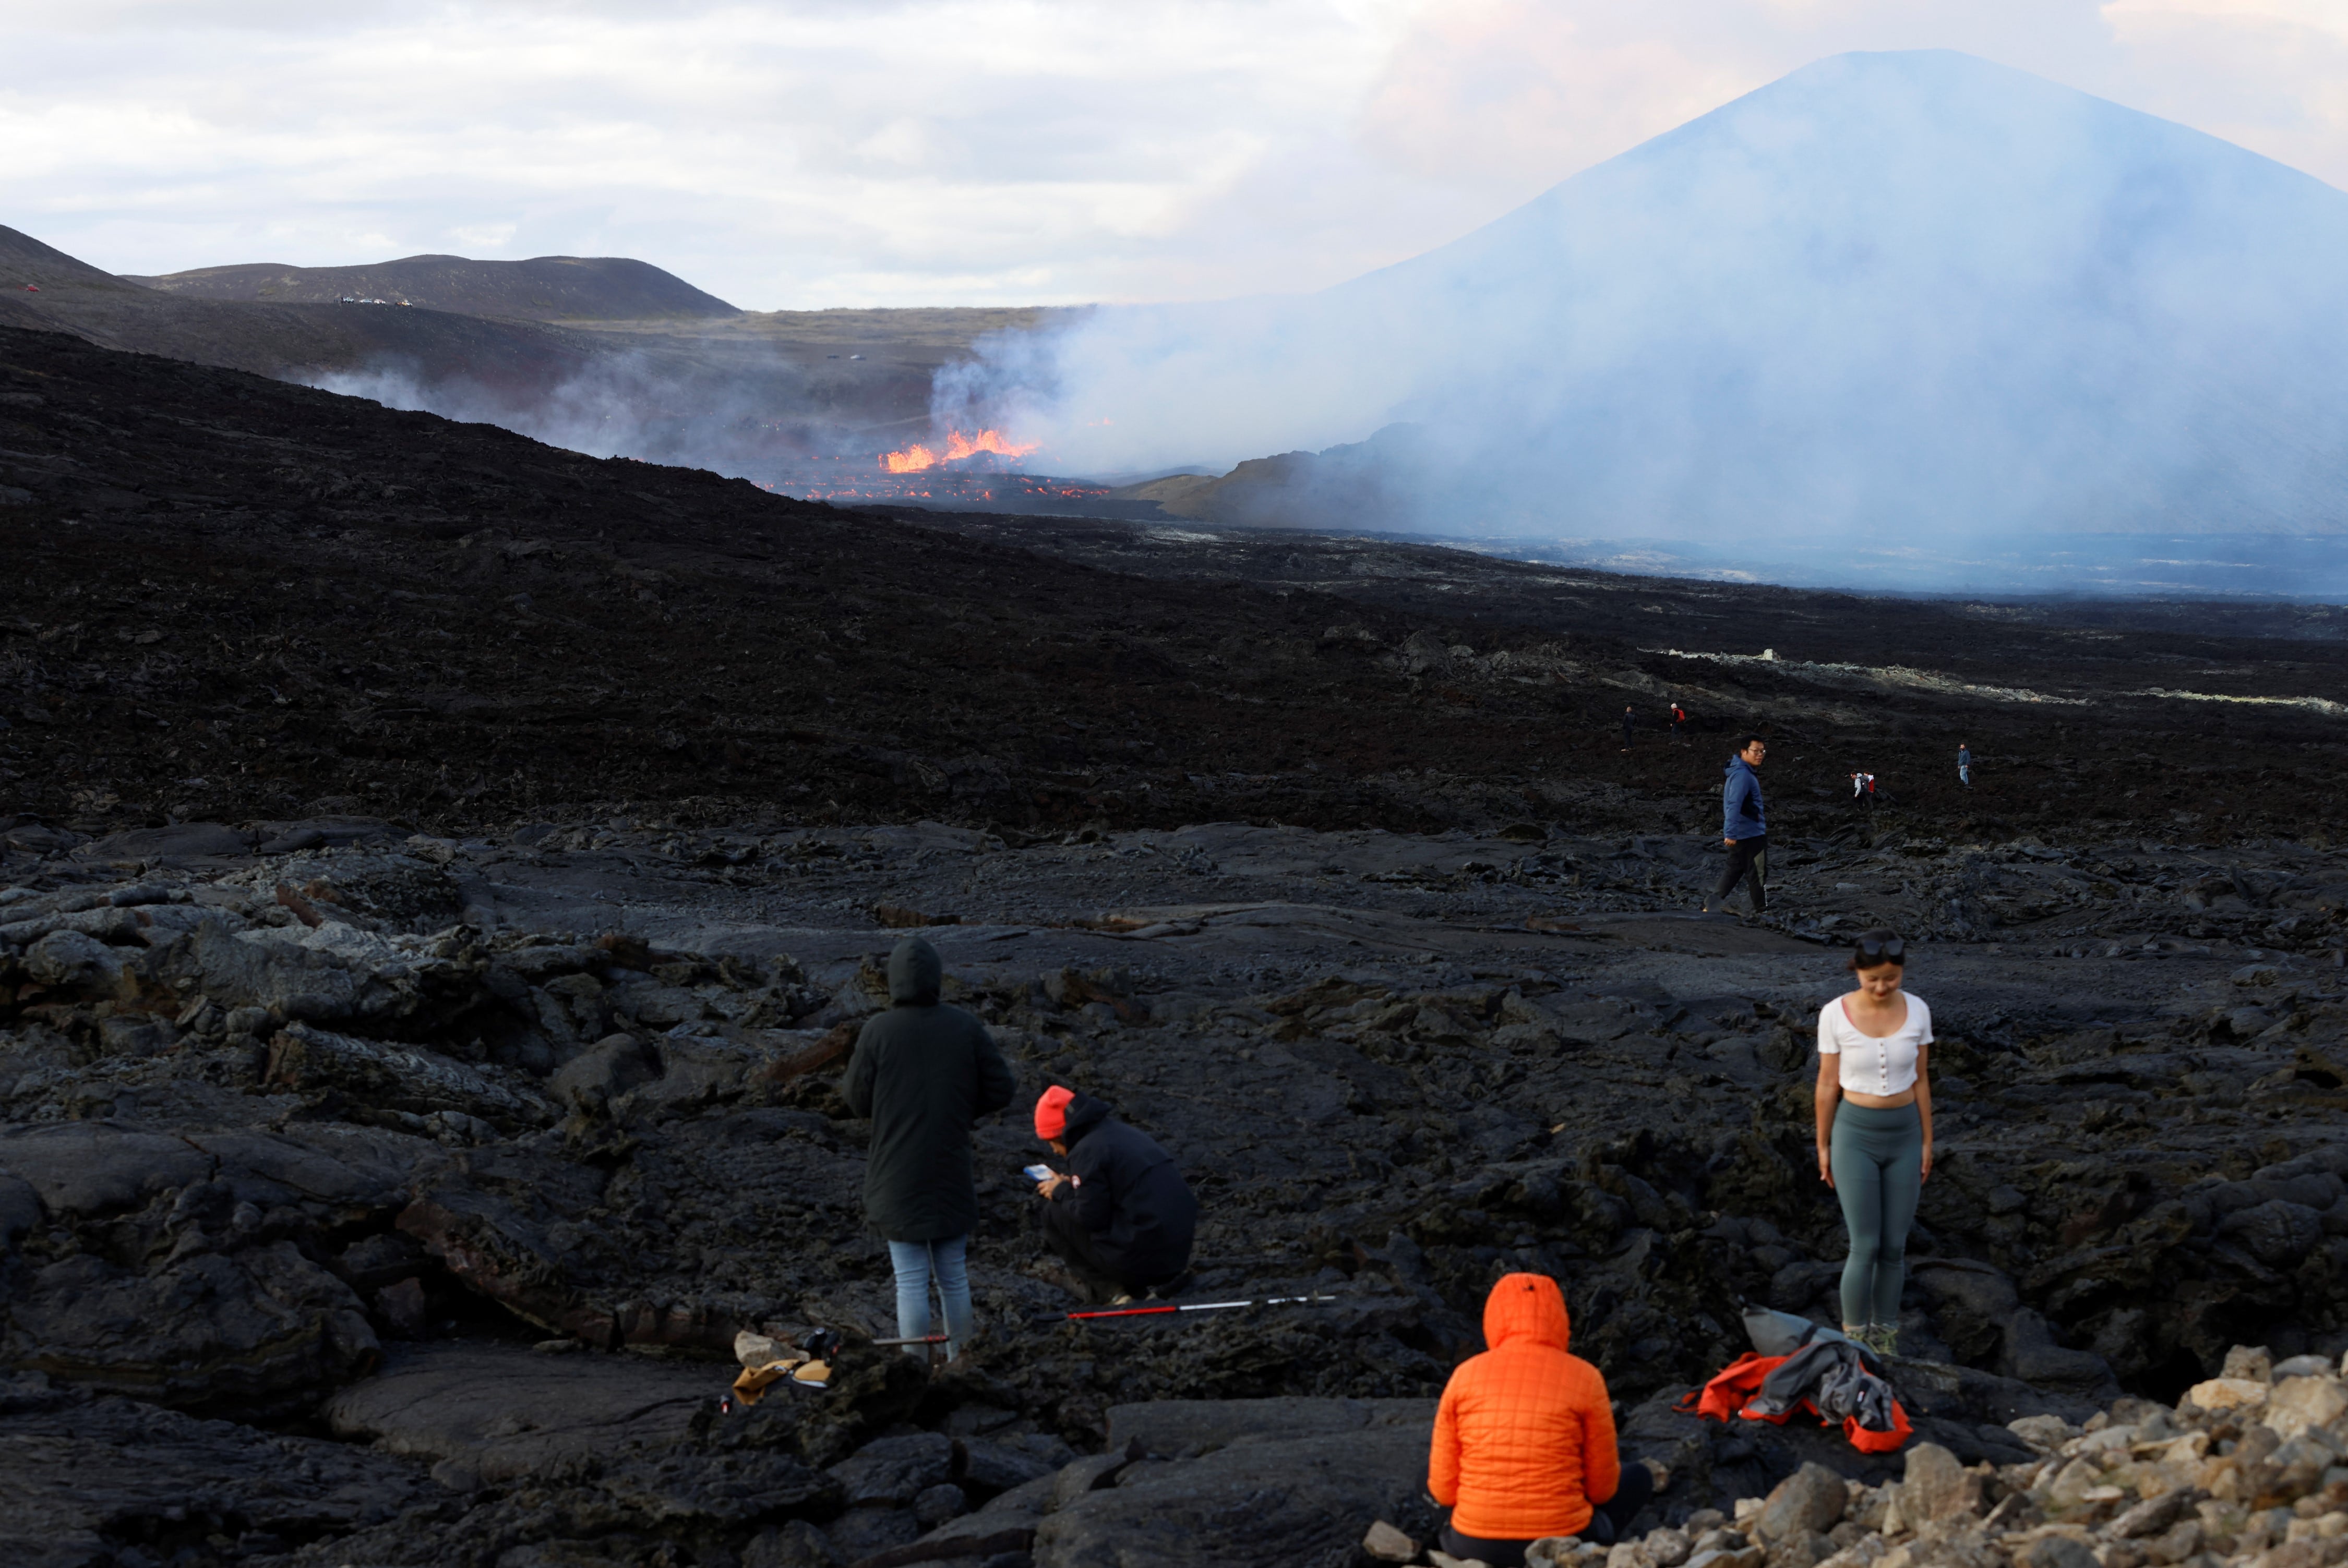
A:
[1914,298]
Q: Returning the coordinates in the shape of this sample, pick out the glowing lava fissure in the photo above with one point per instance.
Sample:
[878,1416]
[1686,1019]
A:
[959,447]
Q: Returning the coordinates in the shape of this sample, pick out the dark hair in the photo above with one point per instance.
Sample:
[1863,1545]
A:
[1886,946]
[1744,742]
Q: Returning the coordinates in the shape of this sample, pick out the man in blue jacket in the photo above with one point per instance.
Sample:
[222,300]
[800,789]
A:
[1743,827]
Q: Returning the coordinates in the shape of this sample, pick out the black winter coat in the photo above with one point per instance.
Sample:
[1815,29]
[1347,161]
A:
[1129,1192]
[925,1073]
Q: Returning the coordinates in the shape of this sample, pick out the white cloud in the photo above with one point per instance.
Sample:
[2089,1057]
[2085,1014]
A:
[2271,75]
[808,153]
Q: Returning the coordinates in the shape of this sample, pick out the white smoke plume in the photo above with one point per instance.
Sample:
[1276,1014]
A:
[735,409]
[1913,307]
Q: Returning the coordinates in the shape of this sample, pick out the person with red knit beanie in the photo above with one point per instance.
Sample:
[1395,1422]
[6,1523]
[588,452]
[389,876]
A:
[1122,1218]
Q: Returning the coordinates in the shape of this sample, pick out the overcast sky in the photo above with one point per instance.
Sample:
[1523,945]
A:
[801,153]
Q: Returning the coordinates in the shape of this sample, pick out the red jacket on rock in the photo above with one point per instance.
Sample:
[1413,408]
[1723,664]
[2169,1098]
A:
[1524,1440]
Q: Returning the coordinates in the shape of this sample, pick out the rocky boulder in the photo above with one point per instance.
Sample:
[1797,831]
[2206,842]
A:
[490,1413]
[92,1481]
[257,1330]
[1271,1501]
[1808,1503]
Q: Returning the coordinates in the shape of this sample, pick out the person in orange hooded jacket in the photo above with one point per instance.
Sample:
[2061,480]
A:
[1524,1440]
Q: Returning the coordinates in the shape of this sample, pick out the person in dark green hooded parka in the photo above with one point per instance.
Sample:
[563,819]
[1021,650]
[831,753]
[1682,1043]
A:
[925,1072]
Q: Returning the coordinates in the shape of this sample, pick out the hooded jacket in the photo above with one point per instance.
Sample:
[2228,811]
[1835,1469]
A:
[924,1072]
[1129,1194]
[1740,802]
[1524,1439]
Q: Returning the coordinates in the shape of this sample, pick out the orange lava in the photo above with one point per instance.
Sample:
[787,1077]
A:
[915,458]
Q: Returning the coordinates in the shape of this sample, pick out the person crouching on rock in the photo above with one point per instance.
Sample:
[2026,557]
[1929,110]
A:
[1122,1218]
[925,1073]
[1874,1104]
[1524,1439]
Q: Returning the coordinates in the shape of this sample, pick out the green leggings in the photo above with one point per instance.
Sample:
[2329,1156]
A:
[1877,1158]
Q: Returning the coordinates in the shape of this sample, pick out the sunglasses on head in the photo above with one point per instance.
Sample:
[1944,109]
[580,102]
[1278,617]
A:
[1890,950]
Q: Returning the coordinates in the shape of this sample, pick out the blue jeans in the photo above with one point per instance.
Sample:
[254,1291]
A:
[917,1263]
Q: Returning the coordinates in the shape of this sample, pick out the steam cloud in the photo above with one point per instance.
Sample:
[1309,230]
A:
[1912,319]
[732,408]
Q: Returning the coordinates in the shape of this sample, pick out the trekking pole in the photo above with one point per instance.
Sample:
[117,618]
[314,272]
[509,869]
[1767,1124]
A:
[1181,1307]
[916,1339]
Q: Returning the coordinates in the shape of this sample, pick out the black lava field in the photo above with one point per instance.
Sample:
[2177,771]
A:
[443,876]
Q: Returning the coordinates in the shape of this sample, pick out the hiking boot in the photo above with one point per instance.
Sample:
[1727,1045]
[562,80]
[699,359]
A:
[1122,1298]
[1883,1338]
[1166,1290]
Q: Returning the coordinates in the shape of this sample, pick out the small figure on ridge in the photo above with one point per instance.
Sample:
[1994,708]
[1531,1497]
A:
[1743,827]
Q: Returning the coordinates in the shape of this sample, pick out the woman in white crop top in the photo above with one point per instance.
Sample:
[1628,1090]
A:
[1874,1106]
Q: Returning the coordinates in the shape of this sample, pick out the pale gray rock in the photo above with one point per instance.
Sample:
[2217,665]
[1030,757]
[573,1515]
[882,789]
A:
[1935,1486]
[1808,1503]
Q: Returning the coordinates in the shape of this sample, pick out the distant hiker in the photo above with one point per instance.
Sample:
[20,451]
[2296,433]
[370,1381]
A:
[1629,719]
[1965,764]
[1742,826]
[1679,718]
[1524,1439]
[1122,1218]
[1857,784]
[1874,1105]
[924,1072]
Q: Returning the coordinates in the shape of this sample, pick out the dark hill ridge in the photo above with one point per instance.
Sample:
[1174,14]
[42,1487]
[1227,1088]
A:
[283,341]
[290,596]
[25,260]
[542,289]
[426,614]
[641,363]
